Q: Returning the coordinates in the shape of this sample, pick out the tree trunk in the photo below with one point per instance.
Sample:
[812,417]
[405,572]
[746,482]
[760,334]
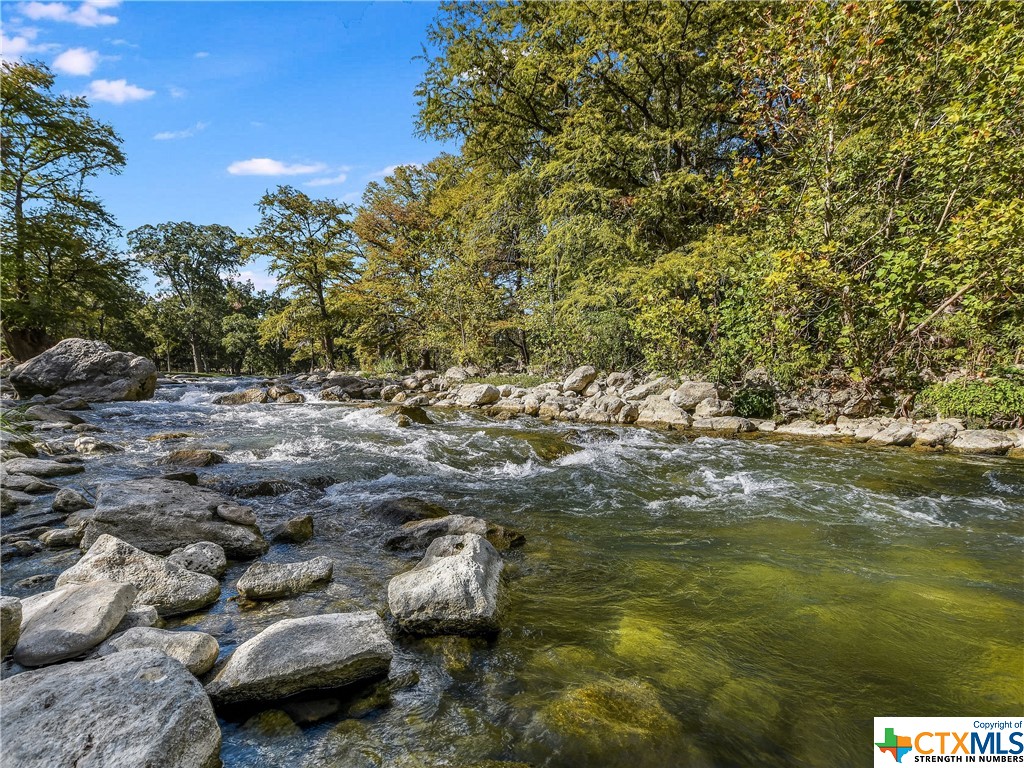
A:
[425,359]
[26,343]
[194,342]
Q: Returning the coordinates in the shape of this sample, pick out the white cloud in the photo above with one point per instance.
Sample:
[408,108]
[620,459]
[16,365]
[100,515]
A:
[117,91]
[260,280]
[202,54]
[264,166]
[77,61]
[327,181]
[391,169]
[87,14]
[187,133]
[13,48]
[123,42]
[177,93]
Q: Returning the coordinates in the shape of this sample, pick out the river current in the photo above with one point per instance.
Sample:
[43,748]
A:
[680,600]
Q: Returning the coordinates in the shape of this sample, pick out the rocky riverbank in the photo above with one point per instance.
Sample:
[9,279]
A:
[621,398]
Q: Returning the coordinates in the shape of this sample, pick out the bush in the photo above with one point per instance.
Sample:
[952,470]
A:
[980,402]
[754,403]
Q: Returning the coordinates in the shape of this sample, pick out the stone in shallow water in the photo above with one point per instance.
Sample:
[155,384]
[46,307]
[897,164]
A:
[201,557]
[25,484]
[192,457]
[452,590]
[294,531]
[268,581]
[404,509]
[295,655]
[86,369]
[160,515]
[169,588]
[69,500]
[135,708]
[70,620]
[982,441]
[196,650]
[419,533]
[42,468]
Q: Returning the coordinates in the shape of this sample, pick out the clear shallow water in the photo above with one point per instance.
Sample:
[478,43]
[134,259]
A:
[680,601]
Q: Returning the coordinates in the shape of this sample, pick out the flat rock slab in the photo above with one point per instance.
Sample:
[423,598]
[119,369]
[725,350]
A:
[418,534]
[70,621]
[268,581]
[295,655]
[136,708]
[452,590]
[42,468]
[196,650]
[26,484]
[990,442]
[169,588]
[161,515]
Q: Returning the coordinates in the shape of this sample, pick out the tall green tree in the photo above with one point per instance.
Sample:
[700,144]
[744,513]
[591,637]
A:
[312,251]
[61,271]
[192,263]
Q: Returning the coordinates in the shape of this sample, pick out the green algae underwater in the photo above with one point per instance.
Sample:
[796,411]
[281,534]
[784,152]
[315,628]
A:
[680,600]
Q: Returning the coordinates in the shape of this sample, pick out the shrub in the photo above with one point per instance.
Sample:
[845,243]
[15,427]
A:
[984,402]
[754,403]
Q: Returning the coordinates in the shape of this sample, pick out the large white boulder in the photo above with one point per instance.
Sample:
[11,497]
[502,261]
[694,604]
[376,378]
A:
[87,369]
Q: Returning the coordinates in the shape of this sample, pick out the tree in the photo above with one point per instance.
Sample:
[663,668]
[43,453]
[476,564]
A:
[60,269]
[191,262]
[312,250]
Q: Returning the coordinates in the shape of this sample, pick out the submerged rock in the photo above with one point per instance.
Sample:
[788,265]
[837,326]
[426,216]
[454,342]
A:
[404,509]
[161,515]
[169,588]
[70,620]
[452,590]
[294,531]
[136,708]
[315,652]
[196,650]
[269,581]
[192,457]
[419,533]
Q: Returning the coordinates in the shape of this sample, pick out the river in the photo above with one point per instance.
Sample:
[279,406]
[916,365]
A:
[679,601]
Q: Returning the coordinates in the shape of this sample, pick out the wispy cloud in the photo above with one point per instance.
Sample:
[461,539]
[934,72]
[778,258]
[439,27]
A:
[77,61]
[122,42]
[117,91]
[87,14]
[187,133]
[177,93]
[201,54]
[13,48]
[264,166]
[326,181]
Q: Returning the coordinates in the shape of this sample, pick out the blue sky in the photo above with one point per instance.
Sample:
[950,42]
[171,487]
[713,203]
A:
[218,102]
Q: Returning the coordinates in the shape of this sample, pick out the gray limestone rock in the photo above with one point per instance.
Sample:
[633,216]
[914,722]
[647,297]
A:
[417,535]
[160,515]
[87,369]
[315,652]
[42,468]
[135,708]
[452,590]
[69,621]
[269,581]
[169,588]
[10,624]
[201,557]
[196,650]
[69,500]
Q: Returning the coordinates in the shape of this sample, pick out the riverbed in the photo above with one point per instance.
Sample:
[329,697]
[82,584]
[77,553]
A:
[680,600]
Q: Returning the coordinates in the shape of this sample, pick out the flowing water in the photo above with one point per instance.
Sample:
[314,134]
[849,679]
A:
[679,601]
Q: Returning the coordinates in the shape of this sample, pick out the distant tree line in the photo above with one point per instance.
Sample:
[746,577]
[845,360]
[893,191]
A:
[698,187]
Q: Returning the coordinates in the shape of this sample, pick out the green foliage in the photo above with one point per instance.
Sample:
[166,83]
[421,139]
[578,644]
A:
[754,403]
[982,402]
[62,274]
